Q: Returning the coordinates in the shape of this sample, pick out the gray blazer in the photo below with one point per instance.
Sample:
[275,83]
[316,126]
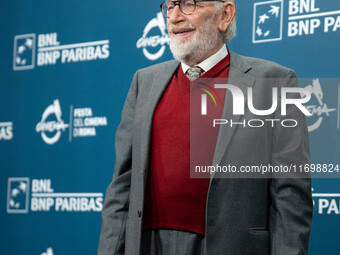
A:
[243,216]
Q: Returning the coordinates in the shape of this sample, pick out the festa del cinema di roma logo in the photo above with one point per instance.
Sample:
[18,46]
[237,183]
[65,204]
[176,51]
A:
[56,126]
[304,18]
[82,123]
[49,51]
[154,45]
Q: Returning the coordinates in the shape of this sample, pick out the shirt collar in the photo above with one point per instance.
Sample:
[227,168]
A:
[210,62]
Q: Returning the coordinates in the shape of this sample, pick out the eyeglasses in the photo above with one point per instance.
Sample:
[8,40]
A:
[186,6]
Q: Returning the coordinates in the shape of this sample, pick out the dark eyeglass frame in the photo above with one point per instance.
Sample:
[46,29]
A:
[179,5]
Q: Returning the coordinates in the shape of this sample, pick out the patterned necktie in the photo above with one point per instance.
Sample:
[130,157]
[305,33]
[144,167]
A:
[194,72]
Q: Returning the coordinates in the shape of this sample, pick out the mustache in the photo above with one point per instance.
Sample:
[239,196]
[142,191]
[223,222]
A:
[172,27]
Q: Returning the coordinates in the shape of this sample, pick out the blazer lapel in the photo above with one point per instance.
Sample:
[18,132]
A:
[161,80]
[238,77]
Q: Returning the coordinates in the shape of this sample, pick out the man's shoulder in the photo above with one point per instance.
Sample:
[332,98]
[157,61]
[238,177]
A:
[258,67]
[159,68]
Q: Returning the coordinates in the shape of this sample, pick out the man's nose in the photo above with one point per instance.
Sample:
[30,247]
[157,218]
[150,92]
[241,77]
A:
[176,15]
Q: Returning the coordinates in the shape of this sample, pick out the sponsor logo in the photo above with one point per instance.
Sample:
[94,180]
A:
[24,52]
[326,203]
[320,110]
[304,18]
[49,251]
[17,195]
[6,131]
[50,51]
[83,123]
[154,45]
[267,24]
[56,126]
[43,198]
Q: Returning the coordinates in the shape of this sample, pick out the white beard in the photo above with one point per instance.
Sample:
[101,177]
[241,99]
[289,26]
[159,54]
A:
[200,44]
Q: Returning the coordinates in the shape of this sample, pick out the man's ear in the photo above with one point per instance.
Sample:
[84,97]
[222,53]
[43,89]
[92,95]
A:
[228,13]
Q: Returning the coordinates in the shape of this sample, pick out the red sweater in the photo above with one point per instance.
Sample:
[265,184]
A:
[173,200]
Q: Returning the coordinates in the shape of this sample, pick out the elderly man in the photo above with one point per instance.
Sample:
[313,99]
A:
[152,205]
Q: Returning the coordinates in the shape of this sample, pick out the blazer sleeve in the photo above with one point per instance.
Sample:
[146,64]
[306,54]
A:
[115,208]
[292,205]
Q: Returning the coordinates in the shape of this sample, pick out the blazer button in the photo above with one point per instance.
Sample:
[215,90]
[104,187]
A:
[139,213]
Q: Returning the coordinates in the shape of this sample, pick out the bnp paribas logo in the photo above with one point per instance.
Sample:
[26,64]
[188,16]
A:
[267,23]
[35,50]
[17,195]
[24,52]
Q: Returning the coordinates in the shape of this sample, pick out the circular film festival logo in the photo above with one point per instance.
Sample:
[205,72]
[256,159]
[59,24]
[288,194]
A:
[51,126]
[146,42]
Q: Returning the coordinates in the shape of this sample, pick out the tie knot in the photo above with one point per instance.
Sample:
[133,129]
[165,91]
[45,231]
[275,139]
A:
[194,72]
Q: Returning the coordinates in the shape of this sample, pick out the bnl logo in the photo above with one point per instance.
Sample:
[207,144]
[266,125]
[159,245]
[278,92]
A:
[17,195]
[267,23]
[24,52]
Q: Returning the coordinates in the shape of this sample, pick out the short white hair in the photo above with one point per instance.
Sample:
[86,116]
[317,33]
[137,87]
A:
[230,33]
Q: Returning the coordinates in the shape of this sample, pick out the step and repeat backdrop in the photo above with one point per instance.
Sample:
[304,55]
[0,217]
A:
[66,67]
